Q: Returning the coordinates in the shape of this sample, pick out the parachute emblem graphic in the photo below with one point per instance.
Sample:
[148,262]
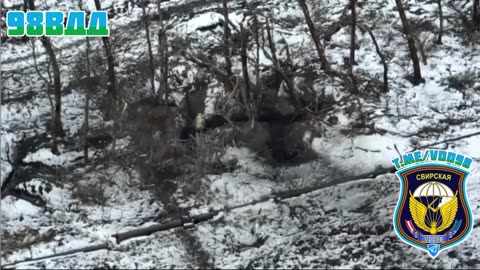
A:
[433,219]
[432,212]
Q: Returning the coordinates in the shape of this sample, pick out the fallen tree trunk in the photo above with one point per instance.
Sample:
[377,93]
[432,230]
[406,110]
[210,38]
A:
[282,195]
[186,223]
[70,252]
[450,140]
[119,237]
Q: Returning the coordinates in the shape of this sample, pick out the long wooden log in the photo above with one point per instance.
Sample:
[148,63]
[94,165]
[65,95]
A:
[210,215]
[184,222]
[65,253]
[345,179]
[119,237]
[451,140]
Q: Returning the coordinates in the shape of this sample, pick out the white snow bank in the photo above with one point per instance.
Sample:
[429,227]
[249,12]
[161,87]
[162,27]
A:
[361,154]
[14,209]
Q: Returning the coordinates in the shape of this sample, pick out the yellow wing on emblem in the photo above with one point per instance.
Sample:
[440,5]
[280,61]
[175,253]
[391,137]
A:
[418,212]
[448,211]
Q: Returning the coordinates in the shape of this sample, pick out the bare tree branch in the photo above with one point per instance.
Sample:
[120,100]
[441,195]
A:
[313,32]
[417,75]
[380,54]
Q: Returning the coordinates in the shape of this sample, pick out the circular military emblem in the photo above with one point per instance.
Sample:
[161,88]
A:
[433,211]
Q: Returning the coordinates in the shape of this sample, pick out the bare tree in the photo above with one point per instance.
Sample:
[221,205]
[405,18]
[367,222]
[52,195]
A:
[112,91]
[87,104]
[149,44]
[246,93]
[163,92]
[417,75]
[382,57]
[256,34]
[48,82]
[226,40]
[313,32]
[353,27]
[57,128]
[440,15]
[286,77]
[87,95]
[476,14]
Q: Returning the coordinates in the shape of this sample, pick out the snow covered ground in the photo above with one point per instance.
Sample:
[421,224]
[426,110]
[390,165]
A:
[342,226]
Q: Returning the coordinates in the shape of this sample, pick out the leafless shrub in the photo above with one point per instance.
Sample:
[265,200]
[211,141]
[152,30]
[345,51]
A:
[464,81]
[24,239]
[464,27]
[89,194]
[291,21]
[210,148]
[202,157]
[465,84]
[133,78]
